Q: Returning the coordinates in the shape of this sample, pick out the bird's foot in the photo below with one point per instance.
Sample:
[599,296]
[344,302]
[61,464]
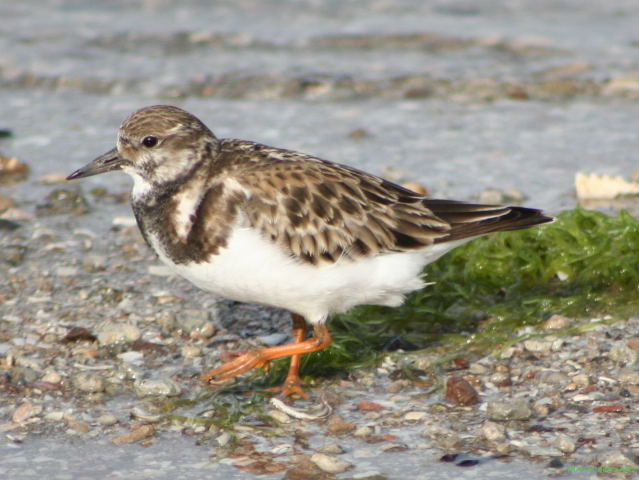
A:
[292,387]
[243,362]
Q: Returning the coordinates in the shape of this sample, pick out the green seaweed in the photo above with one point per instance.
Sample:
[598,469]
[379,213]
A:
[584,265]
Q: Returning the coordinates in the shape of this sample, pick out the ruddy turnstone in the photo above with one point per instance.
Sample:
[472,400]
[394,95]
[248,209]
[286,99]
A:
[266,225]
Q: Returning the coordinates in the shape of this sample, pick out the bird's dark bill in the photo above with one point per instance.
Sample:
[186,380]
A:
[104,163]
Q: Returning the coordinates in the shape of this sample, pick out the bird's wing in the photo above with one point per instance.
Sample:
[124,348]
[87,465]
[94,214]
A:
[320,211]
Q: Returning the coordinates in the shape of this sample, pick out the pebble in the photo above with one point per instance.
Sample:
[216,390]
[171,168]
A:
[107,420]
[493,431]
[363,431]
[557,322]
[6,203]
[329,463]
[614,459]
[196,323]
[517,409]
[538,345]
[460,392]
[414,416]
[332,449]
[132,356]
[139,433]
[13,254]
[52,377]
[112,334]
[272,339]
[164,387]
[621,353]
[25,411]
[223,439]
[629,377]
[66,271]
[140,413]
[491,196]
[338,425]
[62,201]
[565,444]
[12,171]
[551,377]
[190,351]
[89,382]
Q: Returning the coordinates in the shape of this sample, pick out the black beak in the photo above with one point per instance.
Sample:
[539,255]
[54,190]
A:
[104,163]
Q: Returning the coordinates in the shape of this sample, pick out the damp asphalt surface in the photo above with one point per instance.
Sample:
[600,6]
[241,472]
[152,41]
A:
[458,96]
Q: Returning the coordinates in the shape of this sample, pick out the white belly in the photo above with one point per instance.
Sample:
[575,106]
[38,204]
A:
[251,269]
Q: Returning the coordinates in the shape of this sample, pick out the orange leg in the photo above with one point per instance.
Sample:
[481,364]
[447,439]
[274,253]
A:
[262,357]
[293,383]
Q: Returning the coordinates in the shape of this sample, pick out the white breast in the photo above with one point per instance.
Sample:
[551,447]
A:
[252,269]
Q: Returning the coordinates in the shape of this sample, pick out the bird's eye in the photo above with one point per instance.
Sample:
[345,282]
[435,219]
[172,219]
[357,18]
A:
[150,141]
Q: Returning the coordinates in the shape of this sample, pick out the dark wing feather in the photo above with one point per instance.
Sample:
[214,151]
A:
[321,211]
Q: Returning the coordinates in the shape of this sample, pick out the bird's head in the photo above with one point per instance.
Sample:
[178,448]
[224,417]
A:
[156,145]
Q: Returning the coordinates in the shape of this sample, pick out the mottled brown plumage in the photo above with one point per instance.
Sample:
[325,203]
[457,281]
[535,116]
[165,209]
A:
[273,226]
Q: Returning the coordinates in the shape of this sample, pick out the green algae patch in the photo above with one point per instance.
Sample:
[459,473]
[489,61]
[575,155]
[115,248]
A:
[584,265]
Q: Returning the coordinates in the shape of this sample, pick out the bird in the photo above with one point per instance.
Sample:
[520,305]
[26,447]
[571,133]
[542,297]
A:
[277,227]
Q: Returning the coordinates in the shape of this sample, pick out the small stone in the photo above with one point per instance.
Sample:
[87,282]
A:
[146,416]
[538,345]
[614,459]
[495,432]
[557,322]
[358,134]
[77,426]
[25,411]
[367,406]
[62,201]
[460,392]
[364,431]
[622,86]
[338,425]
[332,449]
[107,420]
[369,475]
[164,387]
[551,377]
[55,416]
[581,379]
[196,323]
[223,439]
[330,464]
[633,343]
[622,354]
[131,356]
[6,203]
[273,339]
[139,433]
[565,444]
[89,382]
[414,416]
[416,187]
[166,321]
[629,377]
[52,377]
[12,171]
[491,196]
[515,410]
[477,369]
[393,447]
[63,271]
[13,254]
[191,351]
[94,263]
[279,416]
[112,334]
